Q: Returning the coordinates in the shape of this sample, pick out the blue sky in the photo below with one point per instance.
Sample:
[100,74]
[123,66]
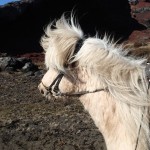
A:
[2,2]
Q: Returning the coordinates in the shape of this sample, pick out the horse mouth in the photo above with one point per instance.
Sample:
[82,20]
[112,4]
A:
[50,95]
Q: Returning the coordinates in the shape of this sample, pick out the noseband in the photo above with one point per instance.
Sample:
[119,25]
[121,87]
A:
[55,83]
[54,88]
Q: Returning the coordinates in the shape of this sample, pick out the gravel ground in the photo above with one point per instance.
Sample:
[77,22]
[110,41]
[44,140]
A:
[30,122]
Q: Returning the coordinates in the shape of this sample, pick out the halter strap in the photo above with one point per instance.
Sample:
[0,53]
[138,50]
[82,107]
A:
[55,82]
[78,46]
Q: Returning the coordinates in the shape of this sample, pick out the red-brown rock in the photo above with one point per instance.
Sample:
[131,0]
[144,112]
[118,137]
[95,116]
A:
[141,12]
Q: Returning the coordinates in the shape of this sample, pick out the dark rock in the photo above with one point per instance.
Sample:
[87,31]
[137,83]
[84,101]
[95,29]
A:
[14,63]
[4,62]
[22,22]
[9,13]
[23,60]
[39,73]
[3,54]
[29,66]
[9,69]
[29,73]
[9,63]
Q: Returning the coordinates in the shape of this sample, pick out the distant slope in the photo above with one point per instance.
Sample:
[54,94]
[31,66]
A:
[22,22]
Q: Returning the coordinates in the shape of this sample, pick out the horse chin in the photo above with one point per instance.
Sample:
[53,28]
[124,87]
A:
[53,97]
[49,97]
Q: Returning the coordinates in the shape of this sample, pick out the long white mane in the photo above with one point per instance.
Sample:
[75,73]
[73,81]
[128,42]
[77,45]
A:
[125,79]
[108,66]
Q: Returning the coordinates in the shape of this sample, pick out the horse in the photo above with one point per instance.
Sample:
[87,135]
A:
[112,85]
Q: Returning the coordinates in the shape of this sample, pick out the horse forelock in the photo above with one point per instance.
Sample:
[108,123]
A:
[59,42]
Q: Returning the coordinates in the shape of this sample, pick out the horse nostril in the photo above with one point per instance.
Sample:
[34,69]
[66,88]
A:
[40,89]
[42,92]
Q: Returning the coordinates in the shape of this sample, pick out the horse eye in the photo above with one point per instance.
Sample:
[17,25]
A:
[73,65]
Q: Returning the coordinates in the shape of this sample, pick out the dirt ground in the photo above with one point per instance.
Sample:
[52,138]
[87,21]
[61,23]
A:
[30,122]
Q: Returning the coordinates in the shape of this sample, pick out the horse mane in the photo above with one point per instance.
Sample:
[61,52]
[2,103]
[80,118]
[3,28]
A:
[125,79]
[105,61]
[119,72]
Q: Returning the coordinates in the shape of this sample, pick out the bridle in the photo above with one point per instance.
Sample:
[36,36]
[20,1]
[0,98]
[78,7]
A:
[54,87]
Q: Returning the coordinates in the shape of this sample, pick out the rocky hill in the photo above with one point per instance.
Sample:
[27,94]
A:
[22,22]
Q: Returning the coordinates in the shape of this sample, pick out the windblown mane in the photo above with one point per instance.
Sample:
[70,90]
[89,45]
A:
[108,66]
[124,77]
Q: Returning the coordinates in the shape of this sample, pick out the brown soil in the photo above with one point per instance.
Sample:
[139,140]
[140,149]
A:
[30,122]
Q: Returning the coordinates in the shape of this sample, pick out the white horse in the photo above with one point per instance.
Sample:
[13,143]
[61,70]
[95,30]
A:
[112,86]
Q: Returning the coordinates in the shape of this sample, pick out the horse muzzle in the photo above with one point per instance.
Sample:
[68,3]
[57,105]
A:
[42,89]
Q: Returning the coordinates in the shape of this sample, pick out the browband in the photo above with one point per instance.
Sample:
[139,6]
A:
[78,46]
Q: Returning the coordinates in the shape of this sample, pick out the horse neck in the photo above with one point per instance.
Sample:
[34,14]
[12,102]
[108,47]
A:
[107,116]
[116,119]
